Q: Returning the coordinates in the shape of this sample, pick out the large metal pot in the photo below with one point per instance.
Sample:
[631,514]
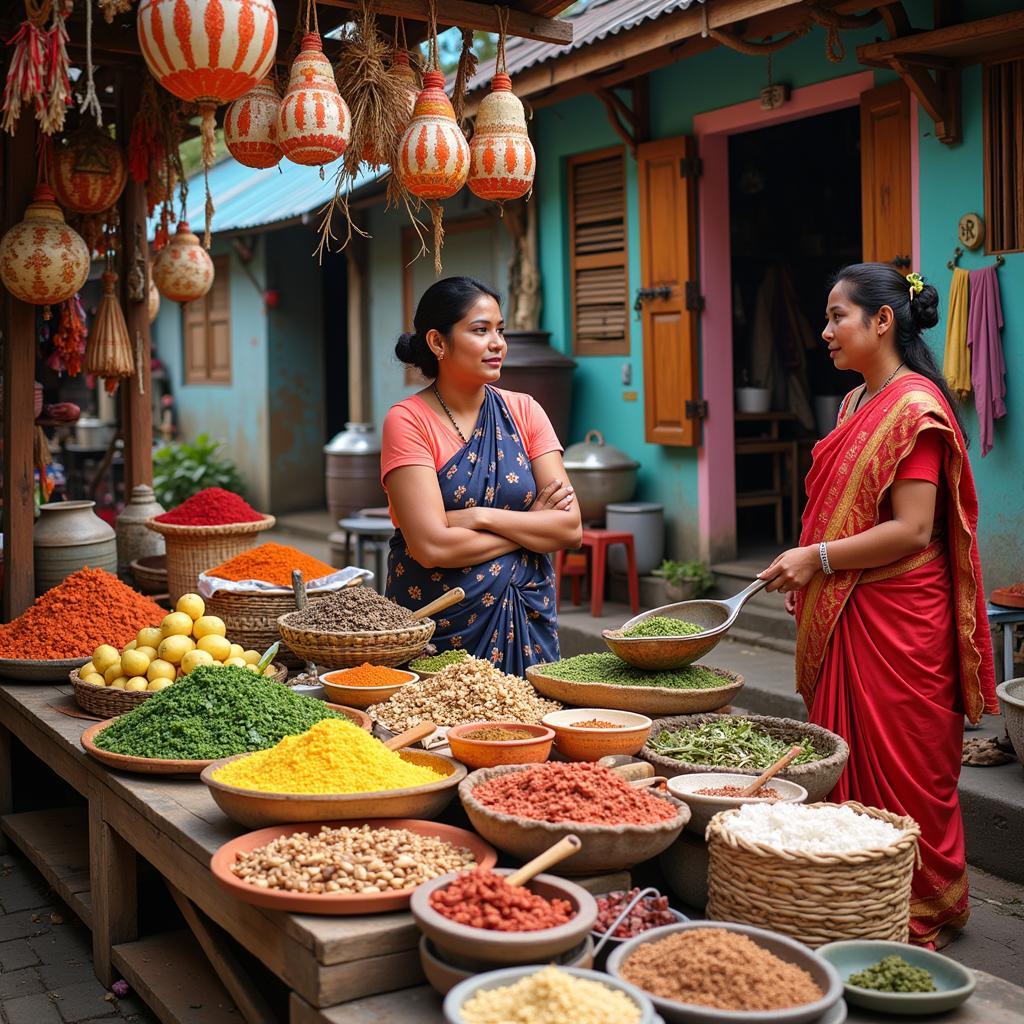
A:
[353,471]
[91,432]
[600,474]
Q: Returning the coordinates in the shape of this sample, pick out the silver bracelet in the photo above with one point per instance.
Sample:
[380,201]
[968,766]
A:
[823,555]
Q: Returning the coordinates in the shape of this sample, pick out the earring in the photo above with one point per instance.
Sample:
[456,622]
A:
[440,355]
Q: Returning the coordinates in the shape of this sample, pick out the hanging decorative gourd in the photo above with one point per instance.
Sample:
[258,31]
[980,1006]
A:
[42,260]
[153,301]
[502,160]
[314,124]
[250,126]
[182,269]
[90,172]
[433,158]
[109,350]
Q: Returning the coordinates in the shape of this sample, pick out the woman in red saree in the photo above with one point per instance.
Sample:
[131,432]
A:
[893,646]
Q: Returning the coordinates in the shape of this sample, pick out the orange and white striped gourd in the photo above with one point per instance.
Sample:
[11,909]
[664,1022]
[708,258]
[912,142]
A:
[502,160]
[433,158]
[250,126]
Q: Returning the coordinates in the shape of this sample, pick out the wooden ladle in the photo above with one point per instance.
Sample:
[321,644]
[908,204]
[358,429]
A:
[406,739]
[446,600]
[565,847]
[782,762]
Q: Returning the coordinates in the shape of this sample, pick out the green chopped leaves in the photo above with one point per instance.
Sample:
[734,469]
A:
[728,743]
[607,668]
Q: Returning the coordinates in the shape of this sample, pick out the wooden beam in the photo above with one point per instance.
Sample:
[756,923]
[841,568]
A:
[19,371]
[359,375]
[468,14]
[960,41]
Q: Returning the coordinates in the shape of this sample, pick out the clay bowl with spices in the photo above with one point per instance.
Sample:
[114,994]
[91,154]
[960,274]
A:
[606,847]
[588,734]
[256,809]
[704,806]
[491,947]
[479,744]
[337,689]
[826,1009]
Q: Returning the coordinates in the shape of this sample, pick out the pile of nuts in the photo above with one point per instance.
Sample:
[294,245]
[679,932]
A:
[350,861]
[468,691]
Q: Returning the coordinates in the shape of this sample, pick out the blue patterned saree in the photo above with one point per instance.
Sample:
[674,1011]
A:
[508,616]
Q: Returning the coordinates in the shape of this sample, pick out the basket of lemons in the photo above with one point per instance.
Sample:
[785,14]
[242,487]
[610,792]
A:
[113,682]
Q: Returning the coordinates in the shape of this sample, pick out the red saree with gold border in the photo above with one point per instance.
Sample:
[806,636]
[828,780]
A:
[893,658]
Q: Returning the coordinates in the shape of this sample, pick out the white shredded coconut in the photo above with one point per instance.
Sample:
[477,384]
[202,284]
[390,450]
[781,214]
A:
[797,828]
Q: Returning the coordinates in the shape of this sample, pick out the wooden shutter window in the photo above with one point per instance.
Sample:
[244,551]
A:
[1003,116]
[598,253]
[207,330]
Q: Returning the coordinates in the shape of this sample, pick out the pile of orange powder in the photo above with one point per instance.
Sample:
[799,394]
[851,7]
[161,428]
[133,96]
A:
[271,563]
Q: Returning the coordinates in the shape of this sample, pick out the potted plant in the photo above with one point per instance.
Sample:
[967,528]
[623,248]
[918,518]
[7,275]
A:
[685,580]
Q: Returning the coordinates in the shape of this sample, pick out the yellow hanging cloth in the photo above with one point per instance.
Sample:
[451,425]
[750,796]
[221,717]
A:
[956,363]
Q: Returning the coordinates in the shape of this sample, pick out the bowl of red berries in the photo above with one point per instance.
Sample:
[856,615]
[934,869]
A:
[625,915]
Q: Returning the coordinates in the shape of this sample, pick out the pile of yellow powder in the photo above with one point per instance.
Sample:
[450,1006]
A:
[334,756]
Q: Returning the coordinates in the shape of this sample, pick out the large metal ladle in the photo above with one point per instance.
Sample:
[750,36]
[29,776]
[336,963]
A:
[658,653]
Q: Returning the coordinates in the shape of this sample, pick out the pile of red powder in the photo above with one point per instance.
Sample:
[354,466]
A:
[482,899]
[580,791]
[211,507]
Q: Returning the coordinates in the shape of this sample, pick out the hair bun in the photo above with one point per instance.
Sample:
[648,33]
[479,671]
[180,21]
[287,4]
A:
[413,350]
[925,307]
[404,347]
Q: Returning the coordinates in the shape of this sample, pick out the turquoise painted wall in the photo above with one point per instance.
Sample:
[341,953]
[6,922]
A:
[236,413]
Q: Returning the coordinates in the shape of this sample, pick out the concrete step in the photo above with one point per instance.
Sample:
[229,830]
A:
[314,524]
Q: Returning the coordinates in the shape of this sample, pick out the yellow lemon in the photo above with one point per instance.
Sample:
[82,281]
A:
[119,683]
[207,625]
[149,652]
[270,671]
[130,646]
[174,648]
[237,651]
[235,662]
[93,679]
[137,683]
[191,605]
[215,645]
[103,657]
[159,684]
[176,624]
[251,657]
[87,669]
[150,637]
[195,658]
[252,668]
[135,663]
[113,670]
[160,669]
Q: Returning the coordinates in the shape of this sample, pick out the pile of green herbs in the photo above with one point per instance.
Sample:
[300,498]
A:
[436,662]
[894,974]
[607,668]
[213,712]
[729,743]
[663,625]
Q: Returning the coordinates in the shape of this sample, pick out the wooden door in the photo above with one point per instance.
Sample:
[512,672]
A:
[886,189]
[667,171]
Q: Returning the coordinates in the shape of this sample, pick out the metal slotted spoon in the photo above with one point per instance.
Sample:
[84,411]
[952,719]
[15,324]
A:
[656,653]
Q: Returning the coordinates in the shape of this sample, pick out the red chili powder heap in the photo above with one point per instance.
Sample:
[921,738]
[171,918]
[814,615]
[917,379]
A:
[581,791]
[90,607]
[212,507]
[482,899]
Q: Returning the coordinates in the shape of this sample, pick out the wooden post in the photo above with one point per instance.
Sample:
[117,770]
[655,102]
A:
[359,402]
[7,783]
[19,370]
[136,402]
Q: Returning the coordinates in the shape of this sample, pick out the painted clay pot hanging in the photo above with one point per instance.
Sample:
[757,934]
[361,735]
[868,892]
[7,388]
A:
[182,269]
[89,173]
[250,126]
[314,124]
[152,301]
[42,260]
[433,158]
[402,70]
[502,160]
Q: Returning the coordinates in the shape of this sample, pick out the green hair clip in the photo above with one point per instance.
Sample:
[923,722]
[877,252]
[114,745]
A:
[916,282]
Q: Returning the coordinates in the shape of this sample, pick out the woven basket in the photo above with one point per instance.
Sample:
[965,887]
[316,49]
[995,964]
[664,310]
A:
[150,574]
[814,897]
[105,702]
[251,618]
[817,777]
[339,649]
[194,549]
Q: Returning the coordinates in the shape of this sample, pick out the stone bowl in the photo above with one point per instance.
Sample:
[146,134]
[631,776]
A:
[605,847]
[818,777]
[703,807]
[488,753]
[1011,698]
[506,948]
[577,744]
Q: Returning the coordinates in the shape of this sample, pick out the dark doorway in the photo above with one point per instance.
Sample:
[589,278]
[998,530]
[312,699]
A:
[334,273]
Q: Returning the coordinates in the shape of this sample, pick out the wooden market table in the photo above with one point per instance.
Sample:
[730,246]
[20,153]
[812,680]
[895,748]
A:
[339,970]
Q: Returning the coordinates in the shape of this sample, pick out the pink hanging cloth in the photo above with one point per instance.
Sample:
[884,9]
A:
[988,367]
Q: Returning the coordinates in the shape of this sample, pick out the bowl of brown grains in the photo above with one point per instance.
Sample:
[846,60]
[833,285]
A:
[707,793]
[588,734]
[718,972]
[485,744]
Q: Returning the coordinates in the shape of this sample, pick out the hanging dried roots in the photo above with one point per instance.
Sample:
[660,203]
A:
[109,352]
[437,215]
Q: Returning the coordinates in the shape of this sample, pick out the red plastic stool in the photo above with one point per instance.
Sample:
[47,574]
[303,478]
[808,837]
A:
[596,544]
[574,565]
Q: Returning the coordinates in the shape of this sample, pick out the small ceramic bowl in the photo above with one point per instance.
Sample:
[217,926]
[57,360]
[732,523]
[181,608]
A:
[487,753]
[954,982]
[703,808]
[629,736]
[360,696]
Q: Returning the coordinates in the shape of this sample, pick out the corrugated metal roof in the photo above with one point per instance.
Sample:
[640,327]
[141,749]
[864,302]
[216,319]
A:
[598,20]
[247,198]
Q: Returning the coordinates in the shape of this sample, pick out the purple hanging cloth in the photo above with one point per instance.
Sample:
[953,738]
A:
[988,367]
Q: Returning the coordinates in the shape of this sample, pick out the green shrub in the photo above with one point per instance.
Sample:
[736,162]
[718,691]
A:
[694,572]
[181,470]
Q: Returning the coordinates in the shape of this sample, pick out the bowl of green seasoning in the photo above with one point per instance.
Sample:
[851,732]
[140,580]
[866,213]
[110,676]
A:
[893,977]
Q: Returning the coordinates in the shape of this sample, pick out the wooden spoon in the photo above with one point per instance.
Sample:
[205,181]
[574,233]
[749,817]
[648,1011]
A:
[655,780]
[411,736]
[299,589]
[552,855]
[446,600]
[774,769]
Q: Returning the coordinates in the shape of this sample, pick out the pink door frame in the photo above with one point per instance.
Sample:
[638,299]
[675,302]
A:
[716,457]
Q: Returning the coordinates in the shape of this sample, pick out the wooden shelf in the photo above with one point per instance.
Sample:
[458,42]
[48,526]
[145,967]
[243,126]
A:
[57,843]
[174,978]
